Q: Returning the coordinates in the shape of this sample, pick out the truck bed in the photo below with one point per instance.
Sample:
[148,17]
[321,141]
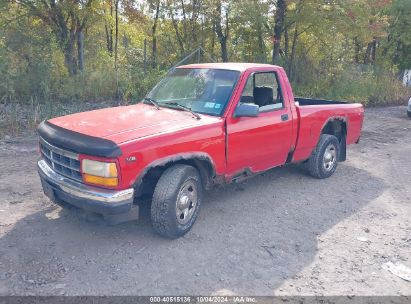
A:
[314,114]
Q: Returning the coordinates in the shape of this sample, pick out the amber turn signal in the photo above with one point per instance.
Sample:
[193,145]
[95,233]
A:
[100,181]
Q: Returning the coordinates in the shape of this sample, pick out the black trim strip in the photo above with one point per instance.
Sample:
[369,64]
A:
[77,142]
[314,101]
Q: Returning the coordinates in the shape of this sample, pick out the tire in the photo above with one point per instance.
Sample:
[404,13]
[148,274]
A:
[409,113]
[324,159]
[176,201]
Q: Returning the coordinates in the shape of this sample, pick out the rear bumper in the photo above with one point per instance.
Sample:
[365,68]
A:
[102,201]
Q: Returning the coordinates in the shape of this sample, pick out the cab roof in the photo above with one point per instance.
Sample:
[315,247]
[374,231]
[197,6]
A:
[234,66]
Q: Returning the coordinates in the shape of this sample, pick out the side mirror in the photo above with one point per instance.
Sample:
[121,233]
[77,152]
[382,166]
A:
[246,110]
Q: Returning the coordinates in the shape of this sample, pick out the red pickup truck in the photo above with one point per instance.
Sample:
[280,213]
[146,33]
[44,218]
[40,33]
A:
[202,124]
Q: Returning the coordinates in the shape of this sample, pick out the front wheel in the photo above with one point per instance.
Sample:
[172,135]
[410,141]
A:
[176,201]
[409,113]
[324,159]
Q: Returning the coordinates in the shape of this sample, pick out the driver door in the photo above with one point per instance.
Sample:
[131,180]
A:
[262,142]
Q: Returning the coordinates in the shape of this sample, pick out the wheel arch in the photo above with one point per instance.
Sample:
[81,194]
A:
[337,126]
[147,179]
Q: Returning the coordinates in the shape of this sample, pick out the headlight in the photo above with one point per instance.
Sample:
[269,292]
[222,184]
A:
[99,173]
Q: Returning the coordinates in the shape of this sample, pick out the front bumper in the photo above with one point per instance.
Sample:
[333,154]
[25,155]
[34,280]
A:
[97,200]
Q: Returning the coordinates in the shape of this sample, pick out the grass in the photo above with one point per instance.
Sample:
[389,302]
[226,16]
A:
[22,118]
[351,84]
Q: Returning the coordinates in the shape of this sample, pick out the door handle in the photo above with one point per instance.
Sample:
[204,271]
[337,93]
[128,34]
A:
[284,117]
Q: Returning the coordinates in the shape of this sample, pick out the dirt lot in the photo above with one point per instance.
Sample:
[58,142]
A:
[279,233]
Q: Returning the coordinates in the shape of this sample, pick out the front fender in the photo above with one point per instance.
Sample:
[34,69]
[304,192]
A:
[196,158]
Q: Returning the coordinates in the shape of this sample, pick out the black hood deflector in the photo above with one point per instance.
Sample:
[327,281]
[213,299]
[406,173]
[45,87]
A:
[77,142]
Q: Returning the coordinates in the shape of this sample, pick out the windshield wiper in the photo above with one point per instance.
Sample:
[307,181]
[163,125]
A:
[153,102]
[184,108]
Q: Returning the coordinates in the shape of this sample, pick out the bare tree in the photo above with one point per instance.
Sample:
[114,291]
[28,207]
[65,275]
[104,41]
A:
[66,20]
[116,37]
[278,28]
[154,33]
[109,30]
[179,38]
[222,34]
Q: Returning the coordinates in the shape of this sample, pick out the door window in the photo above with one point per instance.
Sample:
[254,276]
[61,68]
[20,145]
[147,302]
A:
[263,90]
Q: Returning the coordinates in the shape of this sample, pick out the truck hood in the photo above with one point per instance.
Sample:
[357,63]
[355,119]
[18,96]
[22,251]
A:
[120,124]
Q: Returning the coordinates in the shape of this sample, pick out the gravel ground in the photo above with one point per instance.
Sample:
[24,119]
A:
[280,233]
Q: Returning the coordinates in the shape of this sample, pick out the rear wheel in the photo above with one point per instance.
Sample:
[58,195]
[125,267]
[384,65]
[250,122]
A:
[324,159]
[409,113]
[176,201]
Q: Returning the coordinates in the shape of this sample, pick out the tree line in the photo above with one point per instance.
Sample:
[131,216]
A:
[96,49]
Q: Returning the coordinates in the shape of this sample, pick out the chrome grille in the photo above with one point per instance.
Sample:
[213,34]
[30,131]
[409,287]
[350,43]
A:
[62,161]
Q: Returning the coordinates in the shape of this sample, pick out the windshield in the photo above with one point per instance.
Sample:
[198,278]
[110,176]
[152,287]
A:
[204,91]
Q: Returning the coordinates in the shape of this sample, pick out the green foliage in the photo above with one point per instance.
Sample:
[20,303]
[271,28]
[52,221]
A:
[356,85]
[398,44]
[350,50]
